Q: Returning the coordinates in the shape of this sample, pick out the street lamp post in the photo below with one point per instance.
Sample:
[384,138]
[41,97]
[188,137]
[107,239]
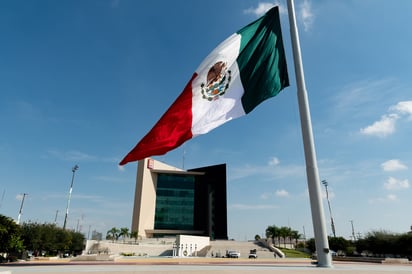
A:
[55,217]
[325,183]
[21,208]
[76,167]
[353,231]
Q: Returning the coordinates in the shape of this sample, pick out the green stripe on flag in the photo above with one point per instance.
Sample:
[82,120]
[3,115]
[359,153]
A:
[261,60]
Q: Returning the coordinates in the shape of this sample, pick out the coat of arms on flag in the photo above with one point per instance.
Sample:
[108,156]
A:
[218,80]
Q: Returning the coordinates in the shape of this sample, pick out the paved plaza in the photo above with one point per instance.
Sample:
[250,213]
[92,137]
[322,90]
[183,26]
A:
[192,266]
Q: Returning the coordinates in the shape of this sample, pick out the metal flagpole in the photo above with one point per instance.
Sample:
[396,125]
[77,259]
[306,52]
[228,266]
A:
[318,217]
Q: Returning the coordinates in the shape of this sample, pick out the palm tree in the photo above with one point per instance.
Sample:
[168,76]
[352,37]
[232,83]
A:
[284,233]
[124,233]
[134,235]
[295,235]
[272,232]
[113,234]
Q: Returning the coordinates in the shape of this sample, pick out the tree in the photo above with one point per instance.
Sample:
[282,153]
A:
[273,232]
[44,238]
[311,245]
[294,234]
[379,243]
[31,235]
[404,244]
[338,244]
[48,239]
[62,239]
[10,241]
[124,233]
[284,232]
[113,234]
[134,235]
[77,242]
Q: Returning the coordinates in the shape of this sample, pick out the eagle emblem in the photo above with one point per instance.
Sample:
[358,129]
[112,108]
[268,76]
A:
[218,80]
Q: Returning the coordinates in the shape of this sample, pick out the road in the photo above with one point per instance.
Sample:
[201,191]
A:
[194,267]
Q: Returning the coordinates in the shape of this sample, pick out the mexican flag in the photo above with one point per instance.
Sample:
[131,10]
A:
[244,70]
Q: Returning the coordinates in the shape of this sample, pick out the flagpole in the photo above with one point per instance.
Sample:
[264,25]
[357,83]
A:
[318,218]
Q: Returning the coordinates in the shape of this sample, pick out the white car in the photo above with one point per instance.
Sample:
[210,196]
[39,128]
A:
[252,254]
[232,254]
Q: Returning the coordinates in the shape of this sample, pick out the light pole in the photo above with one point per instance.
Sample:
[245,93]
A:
[55,217]
[353,231]
[88,233]
[76,167]
[21,208]
[325,183]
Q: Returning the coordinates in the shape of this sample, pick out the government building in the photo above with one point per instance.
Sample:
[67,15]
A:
[170,201]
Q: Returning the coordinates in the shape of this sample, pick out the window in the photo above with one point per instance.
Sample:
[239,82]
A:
[175,198]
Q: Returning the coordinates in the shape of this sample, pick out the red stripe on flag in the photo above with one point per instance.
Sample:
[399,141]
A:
[172,130]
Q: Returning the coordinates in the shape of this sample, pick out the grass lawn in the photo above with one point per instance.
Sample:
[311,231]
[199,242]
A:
[291,253]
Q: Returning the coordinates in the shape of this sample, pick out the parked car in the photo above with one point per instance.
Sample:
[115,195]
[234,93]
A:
[252,254]
[232,254]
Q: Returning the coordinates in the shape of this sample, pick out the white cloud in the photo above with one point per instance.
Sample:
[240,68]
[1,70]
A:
[305,11]
[404,107]
[391,197]
[382,128]
[395,184]
[386,125]
[282,193]
[306,15]
[393,165]
[274,161]
[263,7]
[388,198]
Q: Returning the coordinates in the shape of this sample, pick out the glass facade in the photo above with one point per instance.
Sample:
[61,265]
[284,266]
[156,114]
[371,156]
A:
[175,201]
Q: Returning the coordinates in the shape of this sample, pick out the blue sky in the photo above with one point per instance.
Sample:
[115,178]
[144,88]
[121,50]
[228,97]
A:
[81,82]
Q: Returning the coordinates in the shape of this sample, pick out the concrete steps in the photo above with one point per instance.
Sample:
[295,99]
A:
[164,247]
[219,247]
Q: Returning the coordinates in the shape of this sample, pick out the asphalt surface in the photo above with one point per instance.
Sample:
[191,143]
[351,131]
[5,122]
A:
[203,266]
